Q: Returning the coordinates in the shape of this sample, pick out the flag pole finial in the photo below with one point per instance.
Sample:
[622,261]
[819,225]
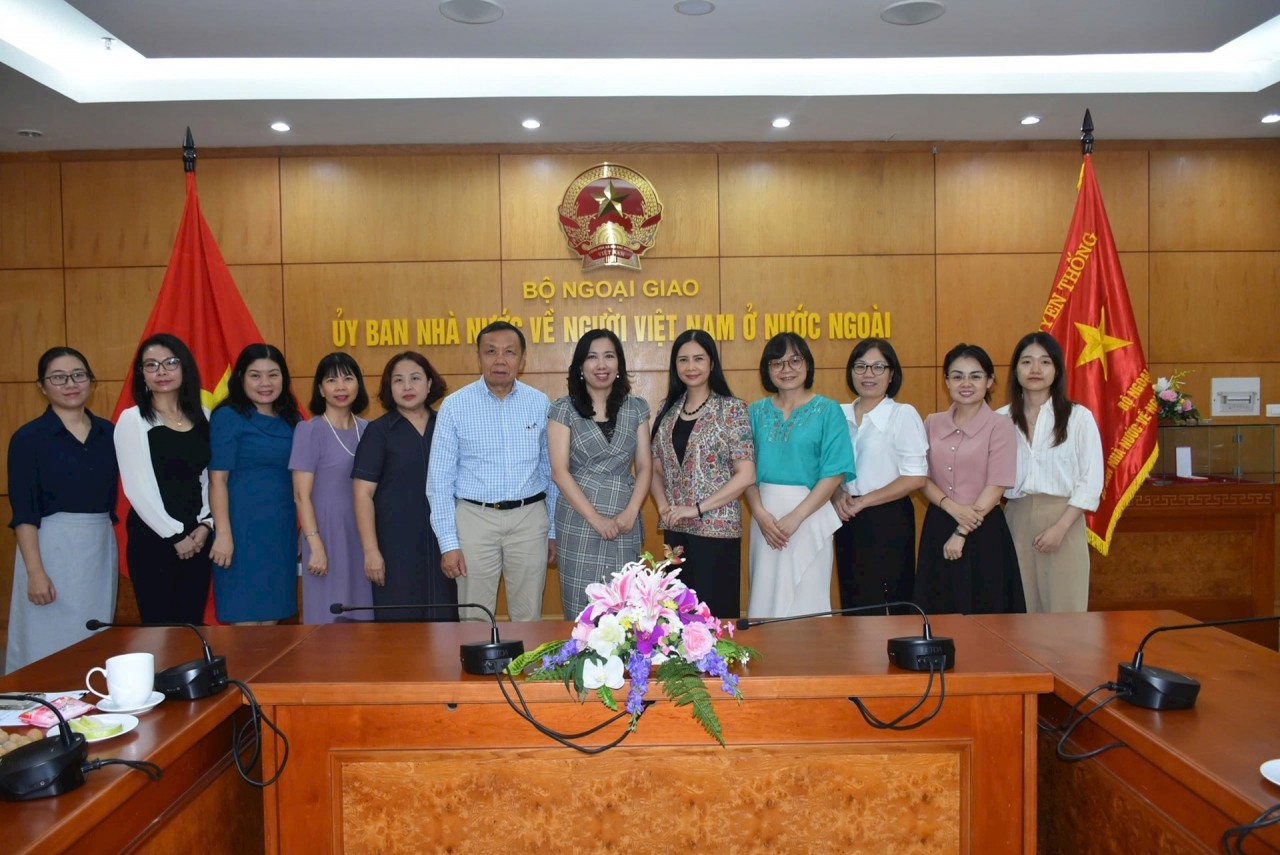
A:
[188,153]
[1086,134]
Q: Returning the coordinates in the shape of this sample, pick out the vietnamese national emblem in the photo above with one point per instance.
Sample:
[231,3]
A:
[610,216]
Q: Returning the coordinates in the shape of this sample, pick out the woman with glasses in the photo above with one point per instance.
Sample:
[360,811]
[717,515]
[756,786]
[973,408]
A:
[803,455]
[255,547]
[62,488]
[967,561]
[324,450]
[162,445]
[703,460]
[1059,478]
[876,546]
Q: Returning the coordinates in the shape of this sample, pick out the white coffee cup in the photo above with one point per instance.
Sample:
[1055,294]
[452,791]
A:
[130,679]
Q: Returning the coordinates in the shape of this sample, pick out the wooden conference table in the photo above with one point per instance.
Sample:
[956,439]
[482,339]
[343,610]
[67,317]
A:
[1184,776]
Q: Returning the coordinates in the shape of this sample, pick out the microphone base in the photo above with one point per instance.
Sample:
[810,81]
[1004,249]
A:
[1156,688]
[489,657]
[42,769]
[193,680]
[917,653]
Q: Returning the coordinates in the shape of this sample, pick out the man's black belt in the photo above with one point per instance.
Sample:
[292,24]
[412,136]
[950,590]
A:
[511,505]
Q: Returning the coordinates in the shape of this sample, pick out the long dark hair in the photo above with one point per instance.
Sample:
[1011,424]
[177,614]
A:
[61,350]
[578,392]
[285,405]
[977,354]
[188,392]
[1057,389]
[338,364]
[676,387]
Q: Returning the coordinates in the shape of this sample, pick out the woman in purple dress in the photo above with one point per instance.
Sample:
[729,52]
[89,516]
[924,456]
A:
[324,449]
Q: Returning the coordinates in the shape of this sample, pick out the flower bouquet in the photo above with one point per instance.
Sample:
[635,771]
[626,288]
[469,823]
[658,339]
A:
[1175,405]
[646,624]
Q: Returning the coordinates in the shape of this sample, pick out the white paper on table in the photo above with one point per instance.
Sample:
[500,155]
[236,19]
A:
[1182,458]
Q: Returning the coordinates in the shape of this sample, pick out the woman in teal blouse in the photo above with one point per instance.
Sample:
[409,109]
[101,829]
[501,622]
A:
[803,455]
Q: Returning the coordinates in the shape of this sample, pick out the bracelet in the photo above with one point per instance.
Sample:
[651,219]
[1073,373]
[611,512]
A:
[697,506]
[960,533]
[315,533]
[940,501]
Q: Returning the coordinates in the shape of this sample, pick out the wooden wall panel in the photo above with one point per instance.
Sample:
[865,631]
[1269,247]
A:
[32,313]
[1210,199]
[19,404]
[107,309]
[534,185]
[826,204]
[442,208]
[1022,201]
[30,215]
[240,199]
[1214,307]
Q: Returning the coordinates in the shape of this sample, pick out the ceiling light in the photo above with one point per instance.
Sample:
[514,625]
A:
[782,122]
[32,133]
[695,7]
[1030,120]
[1269,119]
[280,127]
[908,13]
[531,124]
[471,11]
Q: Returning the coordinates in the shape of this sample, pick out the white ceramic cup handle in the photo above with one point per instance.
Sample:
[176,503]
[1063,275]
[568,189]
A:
[88,685]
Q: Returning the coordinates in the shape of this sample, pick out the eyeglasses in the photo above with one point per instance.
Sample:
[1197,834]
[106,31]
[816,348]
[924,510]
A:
[876,368]
[76,377]
[972,377]
[151,366]
[793,361]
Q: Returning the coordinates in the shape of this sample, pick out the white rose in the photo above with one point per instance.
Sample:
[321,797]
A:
[606,636]
[595,675]
[1161,384]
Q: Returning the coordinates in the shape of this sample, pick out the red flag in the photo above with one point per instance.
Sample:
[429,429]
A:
[1090,315]
[200,304]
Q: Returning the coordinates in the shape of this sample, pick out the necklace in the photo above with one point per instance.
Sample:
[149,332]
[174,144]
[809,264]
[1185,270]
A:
[338,438]
[696,409]
[176,421]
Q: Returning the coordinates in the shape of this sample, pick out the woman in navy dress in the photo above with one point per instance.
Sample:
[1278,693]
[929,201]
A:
[255,550]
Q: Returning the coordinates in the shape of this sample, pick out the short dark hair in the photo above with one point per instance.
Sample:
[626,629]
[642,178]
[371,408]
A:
[974,352]
[776,348]
[890,356]
[188,392]
[42,365]
[338,364]
[435,393]
[499,326]
[578,393]
[285,405]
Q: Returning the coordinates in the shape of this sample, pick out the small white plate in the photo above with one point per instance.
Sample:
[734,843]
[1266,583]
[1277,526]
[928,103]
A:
[106,705]
[1271,771]
[128,722]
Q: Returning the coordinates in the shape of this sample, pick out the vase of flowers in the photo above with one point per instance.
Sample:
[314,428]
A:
[1175,406]
[647,625]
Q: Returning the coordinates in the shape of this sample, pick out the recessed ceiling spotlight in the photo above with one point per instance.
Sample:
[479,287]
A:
[280,127]
[908,13]
[471,11]
[782,122]
[32,133]
[531,124]
[1269,119]
[1030,120]
[695,7]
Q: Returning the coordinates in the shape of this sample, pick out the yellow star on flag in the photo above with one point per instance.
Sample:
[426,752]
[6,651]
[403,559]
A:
[1097,344]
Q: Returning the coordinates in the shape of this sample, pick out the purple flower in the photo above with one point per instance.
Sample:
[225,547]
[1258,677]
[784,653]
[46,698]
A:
[638,670]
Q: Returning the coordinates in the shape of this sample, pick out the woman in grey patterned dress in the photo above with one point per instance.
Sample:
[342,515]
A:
[598,438]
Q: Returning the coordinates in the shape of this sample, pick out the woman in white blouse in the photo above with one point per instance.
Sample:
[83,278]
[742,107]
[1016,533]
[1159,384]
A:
[1059,478]
[876,545]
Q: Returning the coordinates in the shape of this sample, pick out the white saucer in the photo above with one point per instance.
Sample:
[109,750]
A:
[106,705]
[1271,771]
[127,722]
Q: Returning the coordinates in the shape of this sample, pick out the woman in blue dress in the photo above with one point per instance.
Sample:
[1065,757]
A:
[255,550]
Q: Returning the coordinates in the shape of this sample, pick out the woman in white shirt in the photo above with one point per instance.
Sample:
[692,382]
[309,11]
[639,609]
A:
[876,545]
[1059,478]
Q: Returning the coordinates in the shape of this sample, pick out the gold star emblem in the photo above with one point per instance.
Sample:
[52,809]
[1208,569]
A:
[609,199]
[1097,344]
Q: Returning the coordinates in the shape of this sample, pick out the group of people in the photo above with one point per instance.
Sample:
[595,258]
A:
[422,514]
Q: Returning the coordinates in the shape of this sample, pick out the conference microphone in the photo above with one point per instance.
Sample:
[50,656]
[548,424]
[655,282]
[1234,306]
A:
[478,657]
[1155,688]
[189,681]
[46,767]
[923,652]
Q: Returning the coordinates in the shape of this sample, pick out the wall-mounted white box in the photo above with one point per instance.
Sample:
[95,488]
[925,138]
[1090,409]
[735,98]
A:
[1237,396]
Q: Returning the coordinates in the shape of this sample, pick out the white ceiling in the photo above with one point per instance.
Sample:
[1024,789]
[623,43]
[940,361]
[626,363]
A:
[396,71]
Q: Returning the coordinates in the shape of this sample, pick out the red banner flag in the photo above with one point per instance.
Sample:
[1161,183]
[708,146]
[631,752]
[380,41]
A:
[200,304]
[1090,315]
